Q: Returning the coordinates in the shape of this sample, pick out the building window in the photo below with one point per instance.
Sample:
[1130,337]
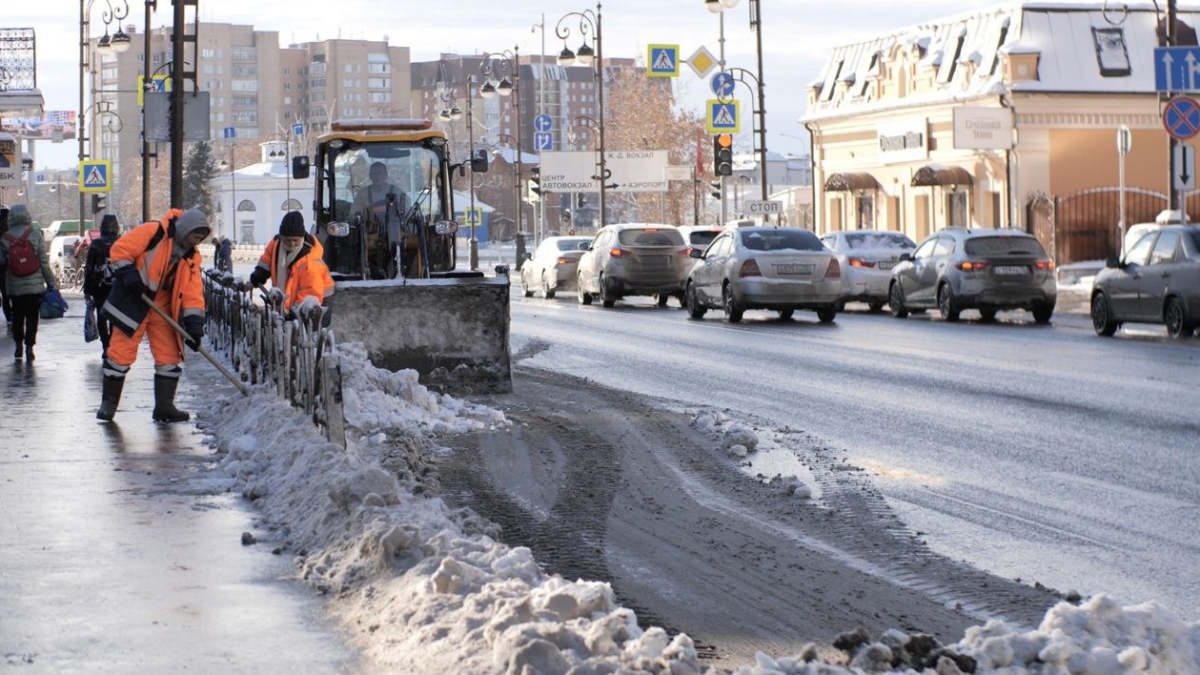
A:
[956,210]
[1111,54]
[244,85]
[866,213]
[379,83]
[380,97]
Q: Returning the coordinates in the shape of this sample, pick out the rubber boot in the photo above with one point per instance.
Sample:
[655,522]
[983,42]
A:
[110,397]
[164,400]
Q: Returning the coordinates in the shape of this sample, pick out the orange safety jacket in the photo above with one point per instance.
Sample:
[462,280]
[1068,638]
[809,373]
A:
[307,275]
[185,295]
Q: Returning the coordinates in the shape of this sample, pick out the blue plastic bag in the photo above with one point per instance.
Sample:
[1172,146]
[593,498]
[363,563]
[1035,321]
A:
[90,332]
[53,306]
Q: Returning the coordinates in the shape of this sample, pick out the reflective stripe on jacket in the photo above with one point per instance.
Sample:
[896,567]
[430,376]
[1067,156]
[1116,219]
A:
[185,297]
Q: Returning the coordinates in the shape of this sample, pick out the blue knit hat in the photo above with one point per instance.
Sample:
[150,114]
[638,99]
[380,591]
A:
[18,216]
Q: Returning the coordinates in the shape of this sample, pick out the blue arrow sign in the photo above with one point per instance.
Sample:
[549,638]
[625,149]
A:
[542,122]
[722,84]
[543,140]
[1177,69]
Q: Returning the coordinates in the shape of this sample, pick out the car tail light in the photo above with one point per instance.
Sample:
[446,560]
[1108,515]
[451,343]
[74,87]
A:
[859,262]
[685,252]
[749,269]
[564,261]
[834,271]
[618,252]
[1044,264]
[971,265]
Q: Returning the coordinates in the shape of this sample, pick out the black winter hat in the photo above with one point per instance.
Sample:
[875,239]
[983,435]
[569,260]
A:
[109,224]
[292,225]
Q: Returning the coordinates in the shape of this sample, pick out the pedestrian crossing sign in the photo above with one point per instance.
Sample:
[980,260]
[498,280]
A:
[662,61]
[94,175]
[724,117]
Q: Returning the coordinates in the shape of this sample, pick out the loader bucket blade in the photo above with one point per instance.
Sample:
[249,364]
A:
[453,332]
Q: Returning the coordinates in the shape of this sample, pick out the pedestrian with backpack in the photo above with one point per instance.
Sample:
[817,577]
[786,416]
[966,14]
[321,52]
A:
[27,278]
[156,260]
[97,278]
[4,299]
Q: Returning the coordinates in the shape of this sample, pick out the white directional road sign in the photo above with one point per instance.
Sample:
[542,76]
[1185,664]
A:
[756,207]
[1177,69]
[1185,167]
[632,171]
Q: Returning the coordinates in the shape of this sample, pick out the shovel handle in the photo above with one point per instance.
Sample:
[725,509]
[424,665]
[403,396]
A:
[200,348]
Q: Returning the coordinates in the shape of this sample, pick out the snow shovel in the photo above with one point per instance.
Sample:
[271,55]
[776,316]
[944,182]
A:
[200,348]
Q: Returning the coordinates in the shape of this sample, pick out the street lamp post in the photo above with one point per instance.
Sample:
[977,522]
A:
[541,93]
[516,146]
[509,62]
[589,125]
[451,113]
[717,6]
[589,22]
[117,43]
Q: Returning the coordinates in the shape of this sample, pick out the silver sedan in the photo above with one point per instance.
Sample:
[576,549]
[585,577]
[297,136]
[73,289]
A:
[552,266]
[777,268]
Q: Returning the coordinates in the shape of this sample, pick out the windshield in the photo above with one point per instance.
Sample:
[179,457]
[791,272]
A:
[779,239]
[385,180]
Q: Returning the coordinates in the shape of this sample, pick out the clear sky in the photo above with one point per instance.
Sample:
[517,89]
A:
[796,35]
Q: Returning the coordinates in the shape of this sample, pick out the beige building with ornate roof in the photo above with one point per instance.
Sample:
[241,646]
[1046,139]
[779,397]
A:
[1006,116]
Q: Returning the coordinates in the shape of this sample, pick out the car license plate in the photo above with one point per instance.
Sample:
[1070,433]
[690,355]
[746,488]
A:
[885,264]
[1011,270]
[793,269]
[654,260]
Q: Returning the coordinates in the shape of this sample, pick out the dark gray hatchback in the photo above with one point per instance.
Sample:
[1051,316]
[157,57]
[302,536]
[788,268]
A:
[984,269]
[1158,281]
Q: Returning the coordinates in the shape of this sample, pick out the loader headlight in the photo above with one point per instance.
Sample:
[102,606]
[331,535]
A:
[338,229]
[445,227]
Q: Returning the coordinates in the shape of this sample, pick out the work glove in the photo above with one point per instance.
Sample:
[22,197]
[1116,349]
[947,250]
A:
[259,276]
[194,327]
[131,280]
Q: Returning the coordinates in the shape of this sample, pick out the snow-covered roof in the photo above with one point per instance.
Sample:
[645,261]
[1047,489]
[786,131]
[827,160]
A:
[1081,47]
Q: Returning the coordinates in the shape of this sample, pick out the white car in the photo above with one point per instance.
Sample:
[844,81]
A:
[867,258]
[552,266]
[61,252]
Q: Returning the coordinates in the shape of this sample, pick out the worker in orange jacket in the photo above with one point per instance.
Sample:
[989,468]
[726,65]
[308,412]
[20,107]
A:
[294,261]
[158,260]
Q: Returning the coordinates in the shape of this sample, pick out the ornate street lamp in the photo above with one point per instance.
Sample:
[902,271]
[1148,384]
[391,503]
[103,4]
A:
[117,43]
[718,6]
[589,23]
[501,64]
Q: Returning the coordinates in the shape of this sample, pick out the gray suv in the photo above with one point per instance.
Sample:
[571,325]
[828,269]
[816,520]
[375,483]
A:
[984,269]
[633,259]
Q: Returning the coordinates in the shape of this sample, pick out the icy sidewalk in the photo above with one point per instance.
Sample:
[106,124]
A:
[115,555]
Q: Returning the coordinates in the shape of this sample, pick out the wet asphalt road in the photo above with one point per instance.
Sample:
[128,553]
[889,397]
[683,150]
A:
[116,554]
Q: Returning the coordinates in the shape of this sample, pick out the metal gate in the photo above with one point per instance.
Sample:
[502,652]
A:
[1085,225]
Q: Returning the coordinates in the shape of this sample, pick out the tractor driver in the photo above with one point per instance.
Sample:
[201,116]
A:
[382,219]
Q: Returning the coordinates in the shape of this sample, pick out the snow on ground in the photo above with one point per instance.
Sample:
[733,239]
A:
[422,587]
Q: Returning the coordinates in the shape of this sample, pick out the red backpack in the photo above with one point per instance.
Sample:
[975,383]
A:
[22,258]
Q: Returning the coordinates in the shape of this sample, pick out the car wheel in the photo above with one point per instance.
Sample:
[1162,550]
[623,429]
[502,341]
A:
[987,315]
[695,309]
[1103,321]
[1042,313]
[875,306]
[946,306]
[525,289]
[585,298]
[546,289]
[606,297]
[786,314]
[827,314]
[733,310]
[1175,319]
[896,301]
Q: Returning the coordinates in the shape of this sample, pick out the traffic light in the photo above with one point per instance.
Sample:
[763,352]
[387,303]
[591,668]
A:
[716,186]
[581,201]
[723,154]
[99,202]
[535,184]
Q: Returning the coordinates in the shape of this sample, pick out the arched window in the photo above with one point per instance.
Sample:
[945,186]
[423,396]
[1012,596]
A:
[246,218]
[291,205]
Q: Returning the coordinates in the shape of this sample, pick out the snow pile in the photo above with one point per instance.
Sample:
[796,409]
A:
[422,587]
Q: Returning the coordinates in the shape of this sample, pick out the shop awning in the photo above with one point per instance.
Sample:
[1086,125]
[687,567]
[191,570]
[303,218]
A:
[850,182]
[932,174]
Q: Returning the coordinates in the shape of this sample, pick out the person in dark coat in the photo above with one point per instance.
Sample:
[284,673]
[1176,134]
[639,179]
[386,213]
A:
[96,281]
[225,255]
[4,299]
[27,291]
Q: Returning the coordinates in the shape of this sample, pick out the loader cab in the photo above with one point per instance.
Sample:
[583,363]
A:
[383,201]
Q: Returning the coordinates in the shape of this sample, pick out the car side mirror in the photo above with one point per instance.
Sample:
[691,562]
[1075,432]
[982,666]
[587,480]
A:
[1113,262]
[905,256]
[696,253]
